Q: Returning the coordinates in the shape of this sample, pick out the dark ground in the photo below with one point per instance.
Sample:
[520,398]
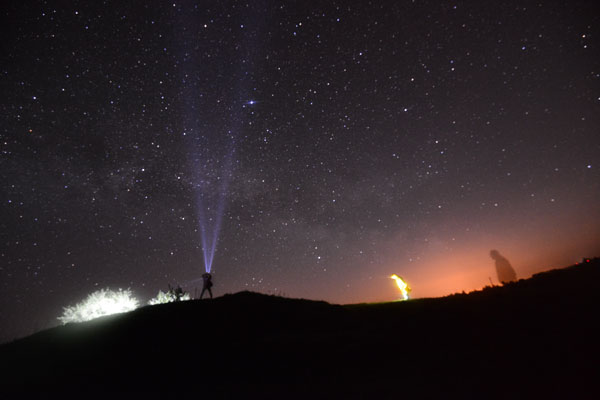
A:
[536,338]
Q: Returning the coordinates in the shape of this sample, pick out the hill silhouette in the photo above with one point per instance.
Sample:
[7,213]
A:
[527,339]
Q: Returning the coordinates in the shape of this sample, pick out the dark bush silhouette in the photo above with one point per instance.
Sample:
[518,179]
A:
[505,271]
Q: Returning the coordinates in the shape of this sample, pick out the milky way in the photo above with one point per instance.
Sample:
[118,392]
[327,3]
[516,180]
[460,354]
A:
[345,141]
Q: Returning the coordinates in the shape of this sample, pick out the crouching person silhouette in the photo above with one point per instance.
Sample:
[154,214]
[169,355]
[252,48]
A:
[206,284]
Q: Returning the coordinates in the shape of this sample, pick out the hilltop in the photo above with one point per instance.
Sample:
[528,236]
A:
[530,338]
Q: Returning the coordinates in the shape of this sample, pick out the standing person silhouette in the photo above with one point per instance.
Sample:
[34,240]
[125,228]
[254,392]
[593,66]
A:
[505,271]
[206,284]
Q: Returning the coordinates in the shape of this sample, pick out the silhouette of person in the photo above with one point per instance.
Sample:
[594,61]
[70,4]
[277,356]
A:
[505,271]
[206,284]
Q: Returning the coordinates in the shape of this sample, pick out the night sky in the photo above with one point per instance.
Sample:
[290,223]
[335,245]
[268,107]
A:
[341,141]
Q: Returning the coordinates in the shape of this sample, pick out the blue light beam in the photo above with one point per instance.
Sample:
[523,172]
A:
[211,207]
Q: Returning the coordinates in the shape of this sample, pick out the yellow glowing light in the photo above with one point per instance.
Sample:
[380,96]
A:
[402,285]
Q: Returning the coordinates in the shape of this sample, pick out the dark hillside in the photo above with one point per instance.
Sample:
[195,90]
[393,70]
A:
[533,338]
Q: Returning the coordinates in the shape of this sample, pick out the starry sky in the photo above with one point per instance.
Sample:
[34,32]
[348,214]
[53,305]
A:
[340,141]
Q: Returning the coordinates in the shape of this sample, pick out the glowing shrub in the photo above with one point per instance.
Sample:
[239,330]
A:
[402,285]
[167,297]
[100,303]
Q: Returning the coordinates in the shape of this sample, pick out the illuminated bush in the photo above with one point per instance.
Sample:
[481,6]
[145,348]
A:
[402,285]
[100,303]
[167,297]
